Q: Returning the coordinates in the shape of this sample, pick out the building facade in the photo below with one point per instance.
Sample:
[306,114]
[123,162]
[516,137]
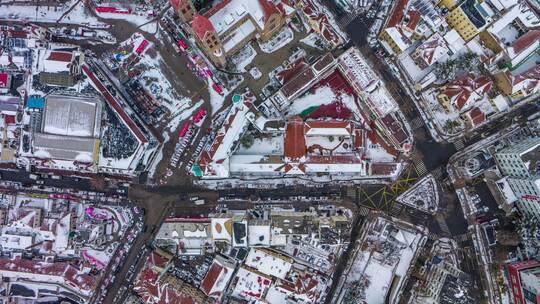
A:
[230,25]
[519,163]
[524,279]
[469,18]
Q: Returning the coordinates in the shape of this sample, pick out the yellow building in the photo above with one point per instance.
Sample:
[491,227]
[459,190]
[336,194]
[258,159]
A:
[394,39]
[449,4]
[468,19]
[230,25]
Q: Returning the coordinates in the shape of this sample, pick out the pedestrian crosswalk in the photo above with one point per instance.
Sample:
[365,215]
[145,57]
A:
[363,211]
[395,210]
[438,172]
[442,224]
[459,144]
[419,165]
[417,123]
[347,19]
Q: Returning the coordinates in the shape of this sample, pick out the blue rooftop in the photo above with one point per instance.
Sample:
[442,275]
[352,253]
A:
[35,102]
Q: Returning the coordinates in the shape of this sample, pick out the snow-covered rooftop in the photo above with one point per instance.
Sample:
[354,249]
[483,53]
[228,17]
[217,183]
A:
[382,265]
[268,262]
[53,61]
[226,14]
[72,116]
[259,234]
[250,285]
[51,146]
[217,278]
[358,71]
[222,228]
[520,11]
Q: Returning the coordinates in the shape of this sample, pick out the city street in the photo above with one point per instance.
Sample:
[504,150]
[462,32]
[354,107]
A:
[174,198]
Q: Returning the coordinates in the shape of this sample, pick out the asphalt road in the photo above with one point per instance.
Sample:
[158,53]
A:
[23,177]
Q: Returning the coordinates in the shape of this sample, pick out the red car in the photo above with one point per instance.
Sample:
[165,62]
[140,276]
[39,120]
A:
[200,114]
[217,88]
[184,130]
[182,44]
[208,72]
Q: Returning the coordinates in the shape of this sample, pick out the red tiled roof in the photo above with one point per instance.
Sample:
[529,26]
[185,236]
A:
[428,48]
[290,72]
[383,168]
[201,25]
[9,119]
[156,259]
[323,62]
[3,79]
[60,56]
[69,273]
[304,284]
[525,41]
[327,124]
[531,74]
[18,34]
[395,128]
[358,138]
[150,290]
[477,116]
[376,138]
[175,4]
[462,88]
[414,18]
[210,279]
[321,19]
[268,9]
[301,80]
[295,142]
[397,13]
[333,159]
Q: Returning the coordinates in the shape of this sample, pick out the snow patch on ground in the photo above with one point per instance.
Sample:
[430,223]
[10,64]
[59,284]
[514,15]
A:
[216,100]
[137,20]
[40,13]
[181,116]
[80,16]
[323,96]
[151,27]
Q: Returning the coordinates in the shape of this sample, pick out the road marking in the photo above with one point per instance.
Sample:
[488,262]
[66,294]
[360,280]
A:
[438,172]
[363,211]
[395,210]
[417,123]
[419,165]
[347,19]
[459,144]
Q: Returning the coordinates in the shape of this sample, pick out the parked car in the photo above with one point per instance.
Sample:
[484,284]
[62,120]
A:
[217,88]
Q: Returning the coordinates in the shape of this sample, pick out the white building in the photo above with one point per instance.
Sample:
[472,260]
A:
[68,138]
[520,163]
